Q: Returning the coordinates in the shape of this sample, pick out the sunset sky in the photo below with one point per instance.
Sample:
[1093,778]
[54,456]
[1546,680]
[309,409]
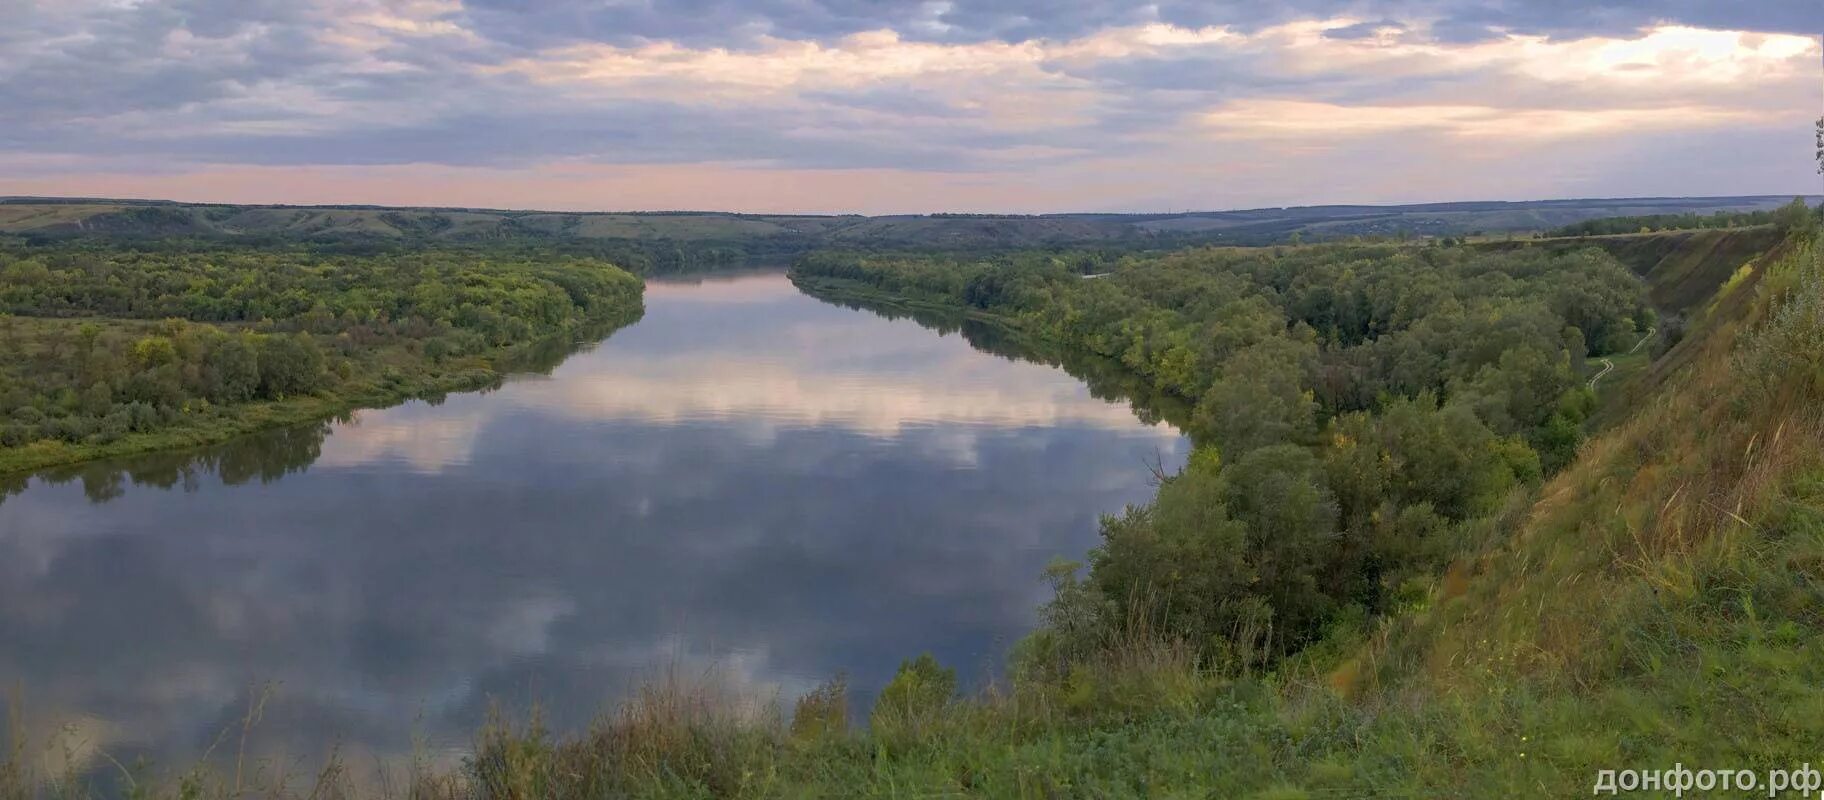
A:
[881,107]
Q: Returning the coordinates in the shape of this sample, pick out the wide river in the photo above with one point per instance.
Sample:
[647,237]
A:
[747,482]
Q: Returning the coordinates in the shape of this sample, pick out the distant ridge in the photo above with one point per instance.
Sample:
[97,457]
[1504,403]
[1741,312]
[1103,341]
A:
[784,233]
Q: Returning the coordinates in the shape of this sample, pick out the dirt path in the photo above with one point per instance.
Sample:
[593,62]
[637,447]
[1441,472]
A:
[1609,366]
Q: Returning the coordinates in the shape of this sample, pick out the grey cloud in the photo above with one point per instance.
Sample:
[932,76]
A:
[529,23]
[117,62]
[1364,30]
[96,81]
[895,100]
[636,132]
[1565,18]
[112,92]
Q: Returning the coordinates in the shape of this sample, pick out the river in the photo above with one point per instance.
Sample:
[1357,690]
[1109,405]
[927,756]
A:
[747,482]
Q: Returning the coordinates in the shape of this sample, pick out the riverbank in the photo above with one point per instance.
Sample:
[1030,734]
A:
[366,392]
[842,289]
[114,352]
[1107,378]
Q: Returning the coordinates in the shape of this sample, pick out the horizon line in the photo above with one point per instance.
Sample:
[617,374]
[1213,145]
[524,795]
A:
[74,199]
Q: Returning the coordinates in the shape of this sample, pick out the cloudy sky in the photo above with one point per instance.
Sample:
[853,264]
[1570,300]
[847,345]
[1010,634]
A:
[887,106]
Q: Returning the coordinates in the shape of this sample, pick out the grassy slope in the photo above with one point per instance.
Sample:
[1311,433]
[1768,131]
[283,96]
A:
[23,218]
[1659,603]
[1682,268]
[1693,277]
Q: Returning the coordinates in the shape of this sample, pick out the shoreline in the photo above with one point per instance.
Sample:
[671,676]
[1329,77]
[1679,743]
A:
[475,373]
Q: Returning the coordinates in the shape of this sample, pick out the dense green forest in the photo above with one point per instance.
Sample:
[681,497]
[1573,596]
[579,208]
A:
[112,350]
[1356,408]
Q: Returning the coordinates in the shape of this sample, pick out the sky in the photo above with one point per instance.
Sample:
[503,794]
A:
[878,106]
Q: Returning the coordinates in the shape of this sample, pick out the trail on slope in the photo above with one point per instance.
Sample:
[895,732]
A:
[1609,366]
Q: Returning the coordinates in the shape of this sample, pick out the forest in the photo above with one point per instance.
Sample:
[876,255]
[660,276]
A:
[114,350]
[1359,412]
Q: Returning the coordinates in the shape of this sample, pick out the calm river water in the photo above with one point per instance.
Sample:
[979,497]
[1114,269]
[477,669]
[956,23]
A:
[748,481]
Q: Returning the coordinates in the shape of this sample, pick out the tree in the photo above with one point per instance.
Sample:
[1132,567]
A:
[154,351]
[1278,493]
[1794,215]
[1261,397]
[1820,154]
[87,334]
[231,371]
[289,365]
[920,690]
[1175,562]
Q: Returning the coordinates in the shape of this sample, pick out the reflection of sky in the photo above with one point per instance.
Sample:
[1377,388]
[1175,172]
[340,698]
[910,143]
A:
[754,355]
[747,477]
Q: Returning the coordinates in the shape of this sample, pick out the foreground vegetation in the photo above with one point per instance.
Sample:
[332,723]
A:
[1390,576]
[111,351]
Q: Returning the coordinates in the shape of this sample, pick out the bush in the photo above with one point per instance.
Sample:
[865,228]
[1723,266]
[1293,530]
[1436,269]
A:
[916,695]
[823,712]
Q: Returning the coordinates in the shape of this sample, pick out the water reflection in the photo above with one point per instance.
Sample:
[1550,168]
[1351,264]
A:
[1106,378]
[747,477]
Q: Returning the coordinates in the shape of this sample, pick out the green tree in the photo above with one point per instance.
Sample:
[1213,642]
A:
[918,692]
[231,371]
[1820,151]
[1279,495]
[1261,397]
[289,365]
[1174,562]
[1793,215]
[154,351]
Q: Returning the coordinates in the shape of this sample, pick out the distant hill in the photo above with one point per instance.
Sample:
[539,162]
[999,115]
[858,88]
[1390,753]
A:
[762,234]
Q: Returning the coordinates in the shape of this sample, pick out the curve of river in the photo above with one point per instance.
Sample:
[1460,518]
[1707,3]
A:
[748,480]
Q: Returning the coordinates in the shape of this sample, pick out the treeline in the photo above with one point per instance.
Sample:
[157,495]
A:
[1359,411]
[1787,217]
[666,256]
[102,344]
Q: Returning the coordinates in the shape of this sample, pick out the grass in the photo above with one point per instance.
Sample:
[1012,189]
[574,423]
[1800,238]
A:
[24,218]
[1682,268]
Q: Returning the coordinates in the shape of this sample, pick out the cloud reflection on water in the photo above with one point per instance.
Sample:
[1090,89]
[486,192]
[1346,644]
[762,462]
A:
[747,478]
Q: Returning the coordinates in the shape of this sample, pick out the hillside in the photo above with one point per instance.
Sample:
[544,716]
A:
[1683,268]
[762,234]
